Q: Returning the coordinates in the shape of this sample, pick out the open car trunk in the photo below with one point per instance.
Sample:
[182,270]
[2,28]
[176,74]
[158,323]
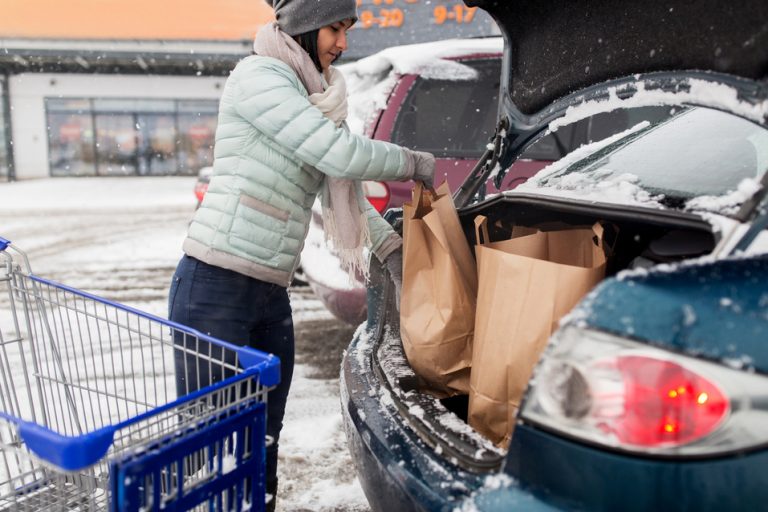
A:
[550,83]
[638,237]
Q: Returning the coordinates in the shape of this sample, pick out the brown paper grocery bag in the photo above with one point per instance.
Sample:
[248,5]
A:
[526,284]
[437,302]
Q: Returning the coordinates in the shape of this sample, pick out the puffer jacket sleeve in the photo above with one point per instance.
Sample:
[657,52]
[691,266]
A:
[267,95]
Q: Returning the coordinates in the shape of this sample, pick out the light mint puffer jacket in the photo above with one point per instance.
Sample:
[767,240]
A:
[272,150]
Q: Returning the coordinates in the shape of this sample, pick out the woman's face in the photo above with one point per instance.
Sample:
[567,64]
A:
[331,41]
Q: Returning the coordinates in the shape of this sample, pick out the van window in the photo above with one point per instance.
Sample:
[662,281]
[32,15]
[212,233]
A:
[451,118]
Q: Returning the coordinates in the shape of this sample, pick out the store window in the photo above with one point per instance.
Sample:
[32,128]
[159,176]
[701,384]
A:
[197,128]
[116,137]
[70,136]
[116,144]
[157,144]
[451,118]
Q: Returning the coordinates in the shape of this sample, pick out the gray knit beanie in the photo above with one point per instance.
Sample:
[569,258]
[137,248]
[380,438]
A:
[296,17]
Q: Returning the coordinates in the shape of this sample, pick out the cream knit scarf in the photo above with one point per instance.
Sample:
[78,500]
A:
[344,204]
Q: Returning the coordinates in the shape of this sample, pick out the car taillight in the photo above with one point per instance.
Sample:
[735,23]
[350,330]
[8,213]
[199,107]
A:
[200,190]
[377,194]
[662,403]
[611,391]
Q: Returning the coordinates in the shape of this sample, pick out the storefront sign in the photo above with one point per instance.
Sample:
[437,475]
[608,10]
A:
[69,132]
[384,23]
[199,132]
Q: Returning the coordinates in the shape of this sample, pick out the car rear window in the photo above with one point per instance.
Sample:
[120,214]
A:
[451,118]
[692,158]
[556,145]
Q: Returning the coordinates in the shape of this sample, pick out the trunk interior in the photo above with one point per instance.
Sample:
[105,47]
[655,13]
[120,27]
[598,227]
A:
[637,238]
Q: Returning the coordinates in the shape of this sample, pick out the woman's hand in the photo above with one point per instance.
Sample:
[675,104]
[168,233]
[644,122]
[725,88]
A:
[425,168]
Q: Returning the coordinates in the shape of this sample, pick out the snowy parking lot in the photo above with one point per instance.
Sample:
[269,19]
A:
[120,238]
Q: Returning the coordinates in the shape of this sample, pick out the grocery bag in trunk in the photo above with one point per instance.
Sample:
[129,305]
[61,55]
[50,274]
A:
[437,304]
[526,284]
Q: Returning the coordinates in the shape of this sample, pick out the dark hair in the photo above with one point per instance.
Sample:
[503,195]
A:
[308,41]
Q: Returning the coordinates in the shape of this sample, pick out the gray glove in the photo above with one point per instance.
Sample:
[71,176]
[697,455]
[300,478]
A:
[394,264]
[425,168]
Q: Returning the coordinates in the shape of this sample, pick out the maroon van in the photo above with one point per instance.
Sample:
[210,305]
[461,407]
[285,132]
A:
[452,119]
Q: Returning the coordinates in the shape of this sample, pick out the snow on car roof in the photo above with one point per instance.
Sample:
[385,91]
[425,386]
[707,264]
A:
[429,57]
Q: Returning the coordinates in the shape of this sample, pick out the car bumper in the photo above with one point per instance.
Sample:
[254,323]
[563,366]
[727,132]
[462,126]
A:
[346,305]
[344,298]
[582,477]
[397,470]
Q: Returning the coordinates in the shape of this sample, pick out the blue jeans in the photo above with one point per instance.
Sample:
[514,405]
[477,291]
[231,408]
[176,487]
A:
[241,310]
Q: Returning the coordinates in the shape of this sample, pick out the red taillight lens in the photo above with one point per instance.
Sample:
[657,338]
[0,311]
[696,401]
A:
[377,194]
[614,392]
[659,402]
[200,190]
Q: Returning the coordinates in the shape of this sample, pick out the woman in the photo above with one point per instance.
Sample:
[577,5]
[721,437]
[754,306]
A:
[281,141]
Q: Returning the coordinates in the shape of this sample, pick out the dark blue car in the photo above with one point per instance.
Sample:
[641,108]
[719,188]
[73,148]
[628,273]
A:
[652,394]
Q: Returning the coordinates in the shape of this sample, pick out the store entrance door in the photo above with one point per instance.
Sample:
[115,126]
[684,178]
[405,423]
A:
[156,144]
[116,141]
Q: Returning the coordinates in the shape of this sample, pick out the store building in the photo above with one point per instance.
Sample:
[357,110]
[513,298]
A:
[143,109]
[114,88]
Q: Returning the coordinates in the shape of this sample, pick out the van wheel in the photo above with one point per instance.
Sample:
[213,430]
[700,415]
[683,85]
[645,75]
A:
[299,279]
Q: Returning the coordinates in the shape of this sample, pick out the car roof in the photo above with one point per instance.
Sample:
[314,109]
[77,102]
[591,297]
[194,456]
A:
[416,58]
[558,47]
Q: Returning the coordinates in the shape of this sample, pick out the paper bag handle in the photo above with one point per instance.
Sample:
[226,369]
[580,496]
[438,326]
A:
[423,197]
[481,230]
[597,229]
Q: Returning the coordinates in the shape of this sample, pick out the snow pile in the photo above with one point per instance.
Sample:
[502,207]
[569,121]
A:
[427,58]
[119,194]
[365,344]
[728,203]
[313,475]
[367,94]
[321,264]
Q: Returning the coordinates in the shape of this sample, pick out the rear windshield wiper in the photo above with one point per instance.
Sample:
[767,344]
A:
[754,210]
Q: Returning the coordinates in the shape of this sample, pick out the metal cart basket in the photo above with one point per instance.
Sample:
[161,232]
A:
[104,407]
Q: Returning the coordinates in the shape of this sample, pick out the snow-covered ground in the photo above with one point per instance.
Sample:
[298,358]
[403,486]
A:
[121,238]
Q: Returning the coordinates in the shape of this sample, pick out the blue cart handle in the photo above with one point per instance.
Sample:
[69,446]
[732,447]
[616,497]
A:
[4,244]
[68,453]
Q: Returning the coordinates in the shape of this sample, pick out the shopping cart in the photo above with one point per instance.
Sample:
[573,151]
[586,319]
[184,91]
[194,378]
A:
[93,417]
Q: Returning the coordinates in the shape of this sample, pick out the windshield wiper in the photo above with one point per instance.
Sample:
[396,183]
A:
[755,210]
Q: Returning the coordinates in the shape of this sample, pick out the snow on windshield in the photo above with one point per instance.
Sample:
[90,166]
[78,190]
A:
[578,154]
[727,204]
[695,159]
[599,185]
